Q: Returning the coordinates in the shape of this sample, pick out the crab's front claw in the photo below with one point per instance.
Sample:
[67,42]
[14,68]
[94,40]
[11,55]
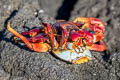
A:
[74,55]
[39,47]
[98,47]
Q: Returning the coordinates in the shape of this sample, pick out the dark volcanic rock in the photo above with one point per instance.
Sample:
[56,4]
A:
[17,62]
[3,75]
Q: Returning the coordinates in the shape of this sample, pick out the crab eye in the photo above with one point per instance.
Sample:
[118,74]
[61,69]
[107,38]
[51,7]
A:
[49,32]
[77,40]
[92,32]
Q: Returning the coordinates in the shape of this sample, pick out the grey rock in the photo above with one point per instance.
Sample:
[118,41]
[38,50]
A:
[19,63]
[3,75]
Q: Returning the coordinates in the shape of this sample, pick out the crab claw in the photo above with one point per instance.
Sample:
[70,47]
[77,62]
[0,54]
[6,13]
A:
[88,37]
[75,37]
[73,55]
[98,47]
[39,47]
[82,35]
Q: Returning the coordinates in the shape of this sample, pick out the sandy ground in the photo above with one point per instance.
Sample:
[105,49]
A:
[19,63]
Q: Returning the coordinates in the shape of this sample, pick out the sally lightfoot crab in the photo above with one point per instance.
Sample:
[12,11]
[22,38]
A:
[69,41]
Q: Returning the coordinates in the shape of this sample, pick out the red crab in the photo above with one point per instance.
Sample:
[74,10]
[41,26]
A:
[70,41]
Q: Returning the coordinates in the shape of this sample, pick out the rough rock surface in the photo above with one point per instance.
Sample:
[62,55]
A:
[19,63]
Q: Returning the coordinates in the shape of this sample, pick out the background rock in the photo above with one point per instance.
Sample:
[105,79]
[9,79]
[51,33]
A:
[19,63]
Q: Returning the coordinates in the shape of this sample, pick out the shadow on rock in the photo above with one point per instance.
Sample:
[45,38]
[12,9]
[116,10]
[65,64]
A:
[4,33]
[64,11]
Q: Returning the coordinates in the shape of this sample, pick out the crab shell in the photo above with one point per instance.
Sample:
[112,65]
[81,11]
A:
[74,55]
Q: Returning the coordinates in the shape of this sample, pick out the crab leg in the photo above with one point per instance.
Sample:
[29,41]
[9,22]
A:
[39,47]
[99,25]
[32,33]
[38,38]
[98,47]
[65,33]
[49,32]
[64,37]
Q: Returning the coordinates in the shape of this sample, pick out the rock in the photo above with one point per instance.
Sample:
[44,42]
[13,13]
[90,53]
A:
[3,75]
[19,63]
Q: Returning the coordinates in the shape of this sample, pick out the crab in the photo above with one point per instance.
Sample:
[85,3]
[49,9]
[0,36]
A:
[70,41]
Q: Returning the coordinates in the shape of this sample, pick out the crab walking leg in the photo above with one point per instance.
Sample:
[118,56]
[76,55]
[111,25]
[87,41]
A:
[64,38]
[99,25]
[82,20]
[98,47]
[49,32]
[39,47]
[65,33]
[38,38]
[31,33]
[95,25]
[60,20]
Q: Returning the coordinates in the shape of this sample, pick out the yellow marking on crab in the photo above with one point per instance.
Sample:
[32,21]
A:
[56,51]
[74,45]
[81,60]
[59,52]
[14,38]
[33,34]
